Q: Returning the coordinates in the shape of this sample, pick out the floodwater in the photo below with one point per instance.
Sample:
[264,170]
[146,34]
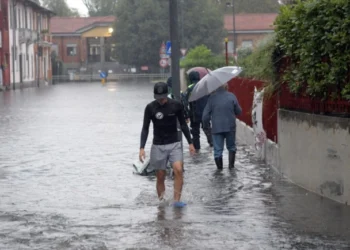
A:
[67,182]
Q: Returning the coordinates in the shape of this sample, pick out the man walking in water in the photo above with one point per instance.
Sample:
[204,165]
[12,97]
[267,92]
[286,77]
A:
[164,114]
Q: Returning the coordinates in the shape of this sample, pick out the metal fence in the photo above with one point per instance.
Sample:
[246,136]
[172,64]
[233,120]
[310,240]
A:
[111,77]
[304,103]
[244,91]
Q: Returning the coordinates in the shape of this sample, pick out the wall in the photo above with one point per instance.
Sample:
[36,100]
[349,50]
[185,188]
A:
[315,153]
[62,43]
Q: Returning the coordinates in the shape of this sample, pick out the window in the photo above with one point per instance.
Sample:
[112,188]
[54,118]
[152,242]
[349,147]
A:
[32,71]
[38,20]
[230,47]
[25,18]
[27,59]
[247,44]
[71,49]
[14,57]
[19,18]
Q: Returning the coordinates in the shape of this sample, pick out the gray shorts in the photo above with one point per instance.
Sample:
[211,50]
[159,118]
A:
[162,154]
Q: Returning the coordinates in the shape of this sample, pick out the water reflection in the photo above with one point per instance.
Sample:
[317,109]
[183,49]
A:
[67,182]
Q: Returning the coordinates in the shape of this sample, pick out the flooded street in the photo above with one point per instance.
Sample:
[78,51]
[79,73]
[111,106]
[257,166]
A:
[67,182]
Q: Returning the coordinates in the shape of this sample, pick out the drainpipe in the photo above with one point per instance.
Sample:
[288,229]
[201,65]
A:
[14,43]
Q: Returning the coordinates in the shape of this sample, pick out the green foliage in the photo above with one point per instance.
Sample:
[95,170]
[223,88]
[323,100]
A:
[249,6]
[201,56]
[60,8]
[100,7]
[243,53]
[314,36]
[144,24]
[199,52]
[260,64]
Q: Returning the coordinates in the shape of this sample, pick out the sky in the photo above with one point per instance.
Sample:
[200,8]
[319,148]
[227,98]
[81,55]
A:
[78,4]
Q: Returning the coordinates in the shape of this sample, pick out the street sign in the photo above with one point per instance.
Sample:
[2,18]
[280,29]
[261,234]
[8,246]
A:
[168,48]
[163,63]
[183,52]
[103,74]
[162,50]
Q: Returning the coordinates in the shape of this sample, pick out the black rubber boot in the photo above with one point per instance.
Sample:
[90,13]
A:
[231,159]
[218,162]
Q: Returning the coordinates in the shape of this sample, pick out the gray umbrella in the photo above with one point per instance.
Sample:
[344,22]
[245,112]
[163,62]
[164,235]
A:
[214,80]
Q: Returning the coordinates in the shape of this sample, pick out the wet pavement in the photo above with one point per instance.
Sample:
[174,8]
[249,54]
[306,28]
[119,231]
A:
[67,182]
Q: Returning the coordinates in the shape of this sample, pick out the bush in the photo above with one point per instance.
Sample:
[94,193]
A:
[260,64]
[243,53]
[314,36]
[201,56]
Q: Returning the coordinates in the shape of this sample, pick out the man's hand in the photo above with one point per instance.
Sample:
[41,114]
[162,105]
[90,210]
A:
[142,155]
[192,149]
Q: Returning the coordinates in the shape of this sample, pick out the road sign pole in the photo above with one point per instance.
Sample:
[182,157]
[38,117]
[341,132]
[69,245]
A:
[175,47]
[174,38]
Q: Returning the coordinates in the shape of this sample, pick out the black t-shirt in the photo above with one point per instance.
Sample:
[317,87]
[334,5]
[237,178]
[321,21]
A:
[164,119]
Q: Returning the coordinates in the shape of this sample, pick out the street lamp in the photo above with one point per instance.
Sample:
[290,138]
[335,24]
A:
[234,39]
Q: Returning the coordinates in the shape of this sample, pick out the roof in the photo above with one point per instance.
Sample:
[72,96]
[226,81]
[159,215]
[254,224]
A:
[71,25]
[251,22]
[34,4]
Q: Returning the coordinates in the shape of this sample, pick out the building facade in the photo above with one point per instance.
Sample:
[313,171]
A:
[83,44]
[30,43]
[249,29]
[4,46]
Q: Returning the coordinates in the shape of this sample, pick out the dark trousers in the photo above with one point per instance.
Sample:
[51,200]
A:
[195,131]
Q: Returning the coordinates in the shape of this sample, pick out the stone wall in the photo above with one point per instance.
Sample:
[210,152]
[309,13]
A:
[315,153]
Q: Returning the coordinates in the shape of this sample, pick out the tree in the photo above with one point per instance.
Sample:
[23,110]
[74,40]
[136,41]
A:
[36,1]
[249,6]
[100,7]
[143,25]
[60,7]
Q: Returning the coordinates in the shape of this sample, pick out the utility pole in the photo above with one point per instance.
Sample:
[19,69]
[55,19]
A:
[175,60]
[174,38]
[234,29]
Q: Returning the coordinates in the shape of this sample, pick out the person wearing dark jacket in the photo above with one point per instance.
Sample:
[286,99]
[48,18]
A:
[221,110]
[182,97]
[196,109]
[165,113]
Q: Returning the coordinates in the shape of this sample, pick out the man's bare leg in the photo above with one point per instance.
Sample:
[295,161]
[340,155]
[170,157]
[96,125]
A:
[161,183]
[178,180]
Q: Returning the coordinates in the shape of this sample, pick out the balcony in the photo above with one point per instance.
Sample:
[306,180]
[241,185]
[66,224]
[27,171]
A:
[45,40]
[27,36]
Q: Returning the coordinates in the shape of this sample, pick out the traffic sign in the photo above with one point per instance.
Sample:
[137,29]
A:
[103,74]
[163,63]
[183,52]
[168,48]
[162,50]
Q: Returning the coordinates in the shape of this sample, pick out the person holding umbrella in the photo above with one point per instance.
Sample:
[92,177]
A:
[221,109]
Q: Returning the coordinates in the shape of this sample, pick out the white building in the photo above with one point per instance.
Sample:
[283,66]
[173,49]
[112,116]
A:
[30,43]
